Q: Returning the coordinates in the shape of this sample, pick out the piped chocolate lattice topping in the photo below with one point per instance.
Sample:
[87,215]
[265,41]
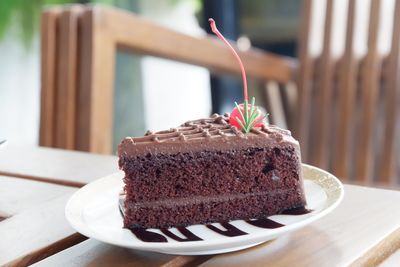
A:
[216,126]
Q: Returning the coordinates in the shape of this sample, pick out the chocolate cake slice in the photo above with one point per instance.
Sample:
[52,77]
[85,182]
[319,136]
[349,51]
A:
[209,171]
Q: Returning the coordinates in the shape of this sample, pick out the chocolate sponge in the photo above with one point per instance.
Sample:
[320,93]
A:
[209,171]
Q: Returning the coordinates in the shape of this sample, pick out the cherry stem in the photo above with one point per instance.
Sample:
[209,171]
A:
[216,31]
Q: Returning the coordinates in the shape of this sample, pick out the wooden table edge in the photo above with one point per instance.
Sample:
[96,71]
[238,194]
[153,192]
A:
[47,251]
[43,179]
[181,260]
[381,251]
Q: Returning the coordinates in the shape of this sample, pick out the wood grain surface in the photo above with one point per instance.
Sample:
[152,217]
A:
[48,42]
[353,232]
[390,146]
[140,35]
[391,261]
[304,79]
[369,95]
[55,165]
[95,86]
[350,234]
[363,230]
[346,100]
[35,226]
[95,253]
[18,195]
[347,109]
[67,76]
[324,94]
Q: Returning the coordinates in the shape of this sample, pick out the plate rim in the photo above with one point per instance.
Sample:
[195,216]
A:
[74,210]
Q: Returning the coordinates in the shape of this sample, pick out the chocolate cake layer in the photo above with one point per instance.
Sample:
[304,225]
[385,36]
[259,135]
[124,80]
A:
[217,208]
[206,173]
[217,167]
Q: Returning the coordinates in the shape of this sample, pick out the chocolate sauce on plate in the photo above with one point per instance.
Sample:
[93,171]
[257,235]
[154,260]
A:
[189,235]
[230,230]
[147,236]
[265,223]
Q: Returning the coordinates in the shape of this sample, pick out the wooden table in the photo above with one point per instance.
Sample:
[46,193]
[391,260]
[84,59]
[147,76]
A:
[35,184]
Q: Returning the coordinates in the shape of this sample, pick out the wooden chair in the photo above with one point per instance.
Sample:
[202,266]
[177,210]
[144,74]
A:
[59,76]
[78,73]
[330,103]
[348,105]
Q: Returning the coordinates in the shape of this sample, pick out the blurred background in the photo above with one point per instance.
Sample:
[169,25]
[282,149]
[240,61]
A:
[327,70]
[144,85]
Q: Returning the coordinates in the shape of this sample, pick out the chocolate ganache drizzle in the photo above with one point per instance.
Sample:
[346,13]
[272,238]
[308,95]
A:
[189,235]
[230,230]
[265,223]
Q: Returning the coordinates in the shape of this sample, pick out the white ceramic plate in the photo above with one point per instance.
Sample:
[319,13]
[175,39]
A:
[93,211]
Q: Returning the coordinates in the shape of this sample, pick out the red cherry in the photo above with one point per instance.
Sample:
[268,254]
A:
[236,114]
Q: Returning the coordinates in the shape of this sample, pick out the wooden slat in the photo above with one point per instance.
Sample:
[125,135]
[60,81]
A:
[186,261]
[346,99]
[290,99]
[141,36]
[369,93]
[388,158]
[393,260]
[49,29]
[36,226]
[96,85]
[67,68]
[304,81]
[36,233]
[386,247]
[324,101]
[275,106]
[347,235]
[55,165]
[95,253]
[18,195]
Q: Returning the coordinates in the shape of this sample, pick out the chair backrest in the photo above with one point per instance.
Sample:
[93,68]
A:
[79,45]
[59,76]
[343,108]
[348,103]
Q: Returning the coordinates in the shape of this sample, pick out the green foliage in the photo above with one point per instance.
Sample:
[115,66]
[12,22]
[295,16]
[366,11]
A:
[25,14]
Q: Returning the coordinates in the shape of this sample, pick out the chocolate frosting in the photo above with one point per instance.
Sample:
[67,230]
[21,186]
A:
[211,134]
